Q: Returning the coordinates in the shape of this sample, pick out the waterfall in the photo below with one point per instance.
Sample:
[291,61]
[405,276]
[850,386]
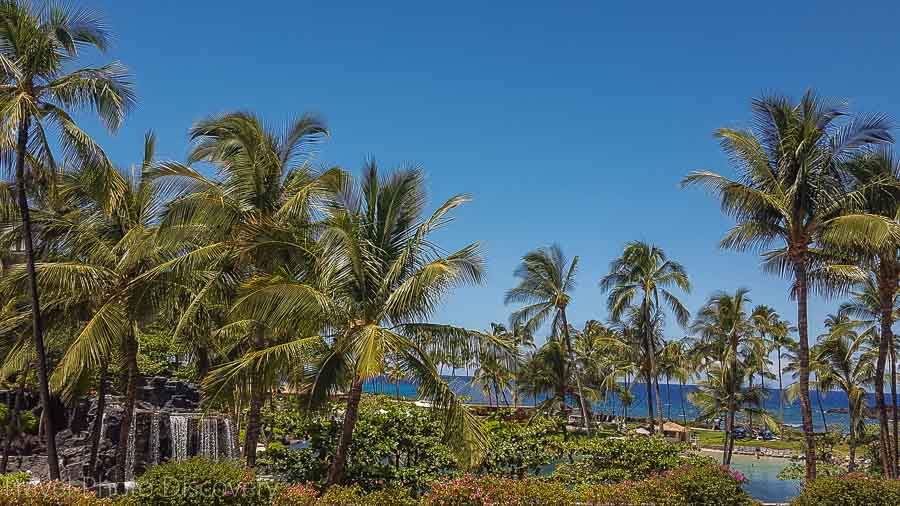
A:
[229,439]
[130,452]
[178,435]
[102,425]
[154,438]
[209,437]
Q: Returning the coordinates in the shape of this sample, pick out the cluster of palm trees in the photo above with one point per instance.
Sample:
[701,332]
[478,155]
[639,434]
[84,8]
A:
[271,271]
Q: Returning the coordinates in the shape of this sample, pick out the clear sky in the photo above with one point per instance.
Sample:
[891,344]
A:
[568,122]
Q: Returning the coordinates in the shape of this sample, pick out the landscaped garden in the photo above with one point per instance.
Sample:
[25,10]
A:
[249,326]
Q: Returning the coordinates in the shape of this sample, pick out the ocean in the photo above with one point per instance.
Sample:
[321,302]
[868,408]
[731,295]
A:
[674,400]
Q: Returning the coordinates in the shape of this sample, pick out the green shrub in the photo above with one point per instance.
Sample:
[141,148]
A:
[393,444]
[202,482]
[849,490]
[354,495]
[16,478]
[516,449]
[615,460]
[53,493]
[706,485]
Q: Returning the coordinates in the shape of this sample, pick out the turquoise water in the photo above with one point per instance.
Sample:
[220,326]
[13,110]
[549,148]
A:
[764,484]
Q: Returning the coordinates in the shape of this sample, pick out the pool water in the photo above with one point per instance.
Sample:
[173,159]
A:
[764,484]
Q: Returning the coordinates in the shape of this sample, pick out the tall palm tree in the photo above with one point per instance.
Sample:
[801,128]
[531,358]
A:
[546,282]
[644,276]
[877,172]
[770,326]
[38,47]
[250,219]
[865,307]
[789,197]
[549,373]
[376,279]
[104,246]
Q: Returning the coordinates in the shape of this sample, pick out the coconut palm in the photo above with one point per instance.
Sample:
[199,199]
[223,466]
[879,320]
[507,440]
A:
[724,321]
[878,173]
[720,395]
[38,47]
[493,377]
[790,202]
[250,219]
[546,282]
[866,310]
[771,327]
[549,373]
[677,363]
[100,247]
[840,366]
[376,279]
[644,277]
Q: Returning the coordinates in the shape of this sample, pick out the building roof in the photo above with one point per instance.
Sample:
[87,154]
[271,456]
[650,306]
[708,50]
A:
[673,427]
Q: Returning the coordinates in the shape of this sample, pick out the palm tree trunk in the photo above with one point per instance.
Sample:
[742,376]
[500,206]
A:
[894,402]
[36,322]
[852,440]
[254,423]
[780,390]
[14,425]
[650,415]
[750,415]
[803,353]
[683,412]
[97,428]
[821,407]
[571,353]
[886,294]
[129,349]
[668,398]
[729,436]
[336,472]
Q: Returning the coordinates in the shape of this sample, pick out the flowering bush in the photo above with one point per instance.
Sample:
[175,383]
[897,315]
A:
[473,490]
[849,490]
[684,486]
[202,482]
[296,495]
[52,493]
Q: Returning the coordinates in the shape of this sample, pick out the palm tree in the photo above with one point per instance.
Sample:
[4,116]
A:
[493,377]
[376,279]
[789,196]
[844,368]
[104,246]
[720,394]
[38,46]
[678,363]
[251,219]
[549,373]
[866,308]
[644,277]
[769,325]
[878,174]
[723,321]
[546,282]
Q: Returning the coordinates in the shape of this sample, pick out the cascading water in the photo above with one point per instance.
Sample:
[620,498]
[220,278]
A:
[209,437]
[230,452]
[154,438]
[178,435]
[130,452]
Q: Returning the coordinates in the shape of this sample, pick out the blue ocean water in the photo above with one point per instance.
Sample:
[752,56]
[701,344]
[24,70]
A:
[674,400]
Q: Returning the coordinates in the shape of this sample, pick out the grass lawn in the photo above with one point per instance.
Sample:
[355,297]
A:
[717,438]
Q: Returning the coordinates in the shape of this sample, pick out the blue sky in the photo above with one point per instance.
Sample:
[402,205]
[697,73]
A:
[568,122]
